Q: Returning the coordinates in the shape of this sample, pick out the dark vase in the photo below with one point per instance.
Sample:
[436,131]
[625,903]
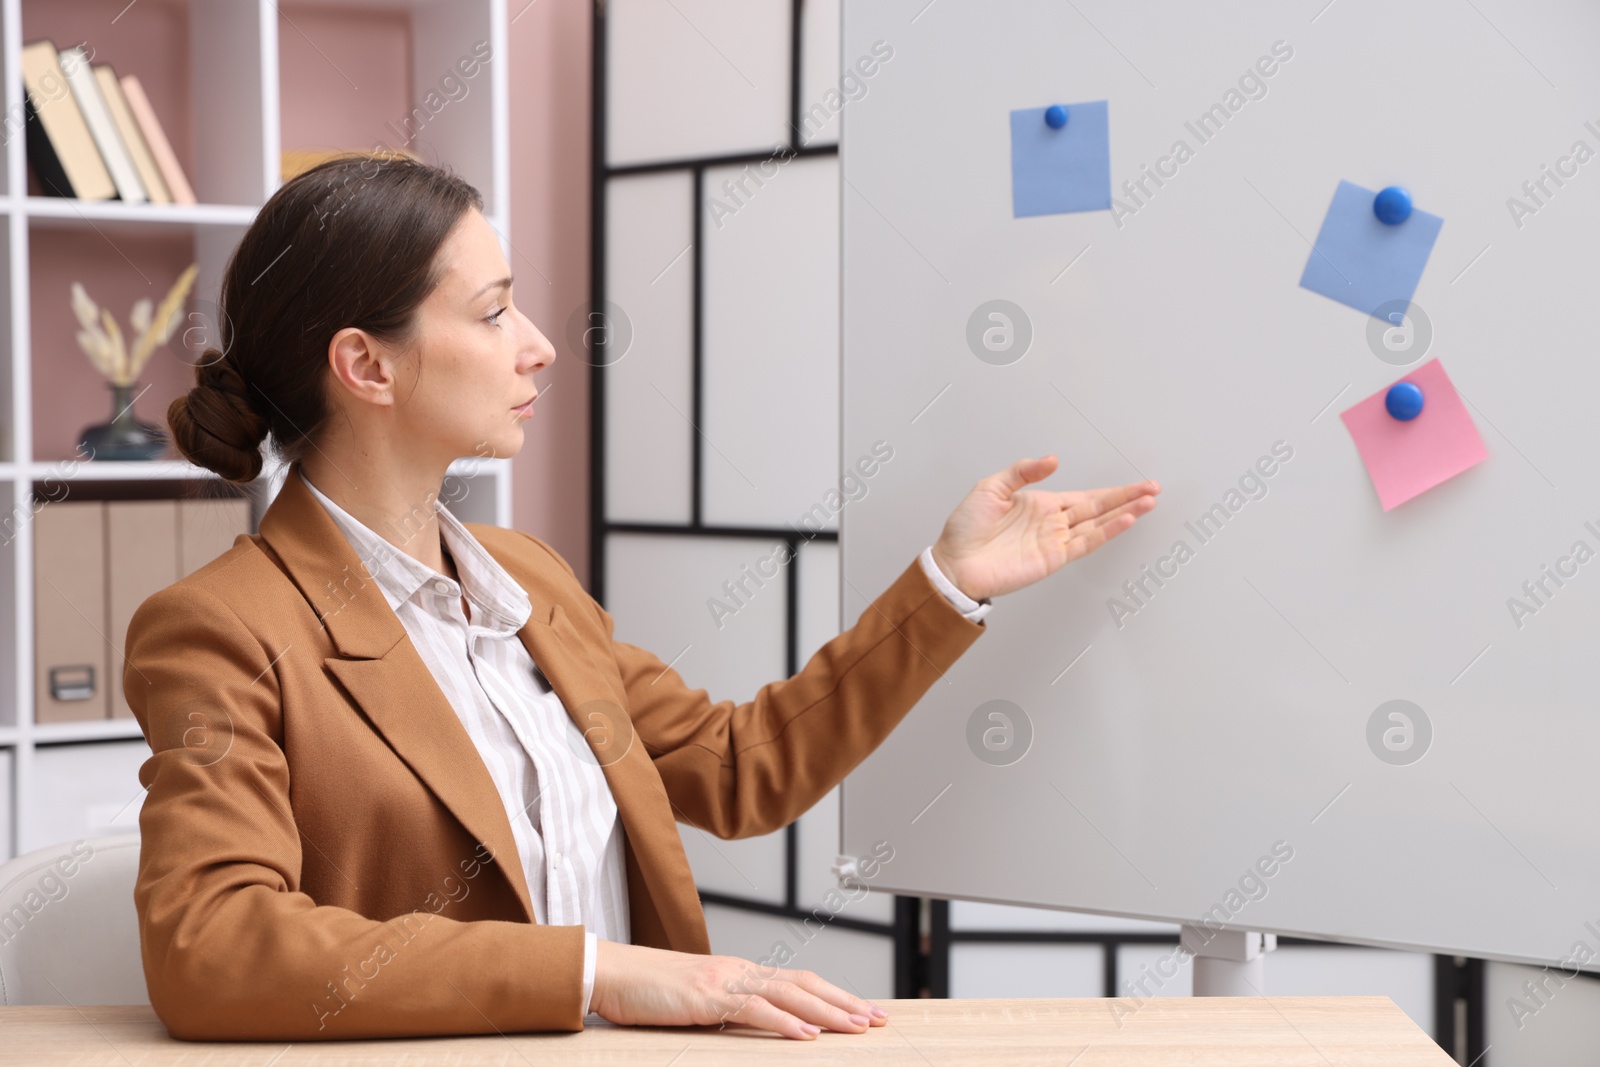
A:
[124,437]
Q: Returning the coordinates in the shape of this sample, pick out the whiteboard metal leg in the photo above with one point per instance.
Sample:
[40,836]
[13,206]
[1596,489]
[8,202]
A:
[1228,963]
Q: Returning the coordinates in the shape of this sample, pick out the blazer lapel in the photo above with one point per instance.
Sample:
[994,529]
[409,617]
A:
[641,799]
[384,674]
[404,703]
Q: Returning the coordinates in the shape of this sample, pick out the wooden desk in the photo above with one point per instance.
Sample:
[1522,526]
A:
[1236,1032]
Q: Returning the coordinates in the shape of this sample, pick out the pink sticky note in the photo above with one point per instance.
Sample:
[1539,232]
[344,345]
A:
[1405,458]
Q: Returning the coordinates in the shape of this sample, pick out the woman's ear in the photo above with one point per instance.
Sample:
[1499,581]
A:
[361,367]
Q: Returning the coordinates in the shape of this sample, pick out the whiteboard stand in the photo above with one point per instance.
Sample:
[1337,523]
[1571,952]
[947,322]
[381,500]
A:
[1227,963]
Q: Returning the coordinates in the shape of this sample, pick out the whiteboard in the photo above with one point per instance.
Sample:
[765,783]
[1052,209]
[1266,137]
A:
[1159,757]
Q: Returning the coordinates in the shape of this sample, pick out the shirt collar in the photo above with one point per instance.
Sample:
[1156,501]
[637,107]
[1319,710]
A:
[498,602]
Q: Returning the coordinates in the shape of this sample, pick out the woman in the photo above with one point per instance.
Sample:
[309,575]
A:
[404,781]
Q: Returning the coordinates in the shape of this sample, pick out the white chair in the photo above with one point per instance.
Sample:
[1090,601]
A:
[69,933]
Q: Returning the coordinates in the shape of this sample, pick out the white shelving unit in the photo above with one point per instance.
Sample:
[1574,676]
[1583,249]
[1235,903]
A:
[80,779]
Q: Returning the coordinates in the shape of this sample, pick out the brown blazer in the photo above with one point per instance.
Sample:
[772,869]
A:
[324,854]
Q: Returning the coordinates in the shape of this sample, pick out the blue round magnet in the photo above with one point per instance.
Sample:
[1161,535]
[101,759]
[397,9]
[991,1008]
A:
[1055,116]
[1392,206]
[1403,401]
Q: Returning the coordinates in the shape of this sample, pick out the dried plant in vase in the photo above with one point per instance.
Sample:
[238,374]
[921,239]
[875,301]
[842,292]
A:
[125,437]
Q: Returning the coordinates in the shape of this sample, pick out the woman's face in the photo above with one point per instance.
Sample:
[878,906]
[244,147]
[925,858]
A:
[468,386]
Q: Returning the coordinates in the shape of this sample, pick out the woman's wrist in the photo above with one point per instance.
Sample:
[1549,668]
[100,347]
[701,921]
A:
[947,568]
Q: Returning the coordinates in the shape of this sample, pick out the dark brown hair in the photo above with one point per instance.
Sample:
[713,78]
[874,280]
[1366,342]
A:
[350,242]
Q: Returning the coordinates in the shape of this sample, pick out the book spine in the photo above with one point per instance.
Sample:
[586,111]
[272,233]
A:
[156,138]
[128,129]
[47,166]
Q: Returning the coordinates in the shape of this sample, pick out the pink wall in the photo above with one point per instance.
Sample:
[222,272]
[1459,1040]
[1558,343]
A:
[550,107]
[323,50]
[341,75]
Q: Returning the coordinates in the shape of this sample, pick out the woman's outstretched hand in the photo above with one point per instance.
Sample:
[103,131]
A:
[639,986]
[1003,537]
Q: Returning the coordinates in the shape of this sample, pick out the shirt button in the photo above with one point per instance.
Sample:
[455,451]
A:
[555,861]
[441,586]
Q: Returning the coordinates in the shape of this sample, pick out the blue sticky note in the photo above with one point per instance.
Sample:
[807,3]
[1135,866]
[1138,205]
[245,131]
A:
[1363,262]
[1054,171]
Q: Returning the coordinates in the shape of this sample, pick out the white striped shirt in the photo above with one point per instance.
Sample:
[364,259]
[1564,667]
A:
[563,817]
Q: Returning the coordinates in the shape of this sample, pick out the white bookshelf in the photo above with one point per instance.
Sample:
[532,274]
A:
[80,779]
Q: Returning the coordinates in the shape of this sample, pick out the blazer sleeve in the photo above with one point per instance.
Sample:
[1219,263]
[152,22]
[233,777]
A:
[232,949]
[741,769]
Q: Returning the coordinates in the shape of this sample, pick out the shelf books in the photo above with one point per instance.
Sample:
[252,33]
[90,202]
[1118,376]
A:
[93,136]
[60,149]
[75,65]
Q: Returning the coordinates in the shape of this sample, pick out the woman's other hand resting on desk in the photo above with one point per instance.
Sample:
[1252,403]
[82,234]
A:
[1003,537]
[639,986]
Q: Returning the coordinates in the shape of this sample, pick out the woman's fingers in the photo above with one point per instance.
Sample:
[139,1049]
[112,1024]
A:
[813,1008]
[1135,507]
[1087,514]
[854,1005]
[785,1008]
[795,1004]
[1085,503]
[761,1013]
[1088,536]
